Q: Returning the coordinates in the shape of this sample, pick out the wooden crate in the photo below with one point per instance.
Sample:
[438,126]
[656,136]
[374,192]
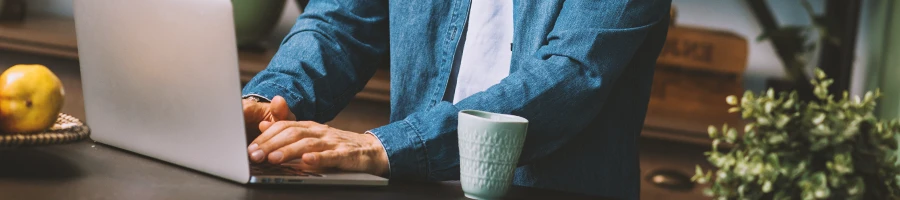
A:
[695,71]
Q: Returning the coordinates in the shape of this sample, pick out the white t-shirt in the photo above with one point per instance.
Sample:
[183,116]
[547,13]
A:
[484,54]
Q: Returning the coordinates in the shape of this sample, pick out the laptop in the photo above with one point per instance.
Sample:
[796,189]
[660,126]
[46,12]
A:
[161,78]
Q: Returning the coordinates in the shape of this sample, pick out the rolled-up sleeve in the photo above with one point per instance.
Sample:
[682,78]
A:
[330,53]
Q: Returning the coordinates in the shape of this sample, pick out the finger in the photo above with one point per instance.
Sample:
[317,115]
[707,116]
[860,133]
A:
[277,127]
[297,149]
[281,134]
[280,109]
[286,137]
[329,159]
[263,125]
[271,131]
[256,154]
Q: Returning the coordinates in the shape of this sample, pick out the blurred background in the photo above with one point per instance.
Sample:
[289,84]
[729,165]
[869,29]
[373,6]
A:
[714,49]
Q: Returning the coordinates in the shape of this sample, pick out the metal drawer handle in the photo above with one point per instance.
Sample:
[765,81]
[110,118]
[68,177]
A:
[670,179]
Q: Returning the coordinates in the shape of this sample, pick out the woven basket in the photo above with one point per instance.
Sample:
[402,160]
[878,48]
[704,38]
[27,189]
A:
[67,129]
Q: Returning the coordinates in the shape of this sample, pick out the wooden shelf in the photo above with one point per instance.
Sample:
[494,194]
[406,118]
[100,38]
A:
[41,35]
[55,36]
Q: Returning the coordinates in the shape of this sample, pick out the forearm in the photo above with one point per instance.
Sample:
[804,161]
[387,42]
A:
[424,145]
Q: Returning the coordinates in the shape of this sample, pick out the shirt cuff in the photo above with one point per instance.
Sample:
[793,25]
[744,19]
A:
[385,150]
[268,90]
[407,157]
[262,98]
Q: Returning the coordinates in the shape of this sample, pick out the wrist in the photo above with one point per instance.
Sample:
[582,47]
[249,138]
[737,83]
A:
[382,167]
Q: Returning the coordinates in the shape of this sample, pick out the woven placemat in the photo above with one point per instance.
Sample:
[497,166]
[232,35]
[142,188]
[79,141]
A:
[67,129]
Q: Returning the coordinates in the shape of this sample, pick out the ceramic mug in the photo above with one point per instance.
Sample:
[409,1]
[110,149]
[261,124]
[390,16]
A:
[489,149]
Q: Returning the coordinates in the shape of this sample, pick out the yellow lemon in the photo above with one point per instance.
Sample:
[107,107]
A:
[30,99]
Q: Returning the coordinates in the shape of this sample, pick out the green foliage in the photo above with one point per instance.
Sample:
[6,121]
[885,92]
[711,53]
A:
[791,149]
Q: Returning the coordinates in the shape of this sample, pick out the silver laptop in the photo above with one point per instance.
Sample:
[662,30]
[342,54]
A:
[160,78]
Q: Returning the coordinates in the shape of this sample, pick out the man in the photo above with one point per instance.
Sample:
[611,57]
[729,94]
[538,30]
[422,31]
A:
[580,71]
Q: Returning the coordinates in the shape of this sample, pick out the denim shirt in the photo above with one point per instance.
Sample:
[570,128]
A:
[581,72]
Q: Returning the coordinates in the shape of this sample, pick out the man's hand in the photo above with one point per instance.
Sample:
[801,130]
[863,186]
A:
[318,147]
[256,112]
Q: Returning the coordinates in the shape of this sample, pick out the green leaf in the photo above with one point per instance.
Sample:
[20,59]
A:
[789,103]
[819,144]
[851,130]
[782,195]
[715,144]
[819,179]
[782,121]
[699,177]
[856,187]
[822,192]
[747,98]
[767,187]
[763,121]
[799,169]
[820,92]
[722,175]
[821,130]
[825,83]
[731,100]
[820,74]
[747,113]
[768,107]
[730,136]
[776,139]
[818,119]
[748,127]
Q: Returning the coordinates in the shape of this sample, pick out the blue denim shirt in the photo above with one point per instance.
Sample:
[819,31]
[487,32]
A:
[581,72]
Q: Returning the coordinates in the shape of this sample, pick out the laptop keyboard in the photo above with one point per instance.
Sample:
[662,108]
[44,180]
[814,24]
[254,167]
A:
[267,169]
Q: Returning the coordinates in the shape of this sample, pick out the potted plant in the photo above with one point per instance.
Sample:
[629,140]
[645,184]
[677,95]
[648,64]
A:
[254,19]
[795,149]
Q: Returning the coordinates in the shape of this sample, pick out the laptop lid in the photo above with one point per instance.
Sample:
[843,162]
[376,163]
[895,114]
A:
[160,78]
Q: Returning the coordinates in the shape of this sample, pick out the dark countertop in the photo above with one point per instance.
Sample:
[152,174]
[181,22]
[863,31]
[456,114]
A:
[88,170]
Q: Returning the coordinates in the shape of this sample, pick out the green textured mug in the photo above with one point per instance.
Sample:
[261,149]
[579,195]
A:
[255,19]
[489,149]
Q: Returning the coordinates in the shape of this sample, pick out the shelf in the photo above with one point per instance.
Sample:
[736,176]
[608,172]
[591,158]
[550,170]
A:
[55,36]
[40,35]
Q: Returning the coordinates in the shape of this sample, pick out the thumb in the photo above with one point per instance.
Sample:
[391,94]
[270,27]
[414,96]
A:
[280,109]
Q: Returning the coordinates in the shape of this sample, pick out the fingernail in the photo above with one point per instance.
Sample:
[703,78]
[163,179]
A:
[257,155]
[253,147]
[276,156]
